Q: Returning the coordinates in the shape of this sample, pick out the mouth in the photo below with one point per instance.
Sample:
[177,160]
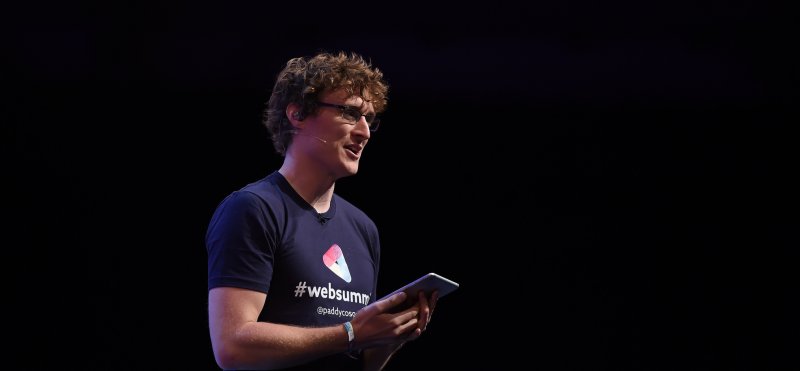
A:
[355,149]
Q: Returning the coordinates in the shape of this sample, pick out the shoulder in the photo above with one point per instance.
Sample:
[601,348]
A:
[259,196]
[352,212]
[267,190]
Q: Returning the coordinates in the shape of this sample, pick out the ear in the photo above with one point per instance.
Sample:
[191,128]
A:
[293,113]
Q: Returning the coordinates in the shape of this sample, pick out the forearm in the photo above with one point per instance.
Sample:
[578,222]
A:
[375,359]
[266,345]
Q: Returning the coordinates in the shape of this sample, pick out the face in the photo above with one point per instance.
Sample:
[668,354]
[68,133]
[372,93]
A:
[331,138]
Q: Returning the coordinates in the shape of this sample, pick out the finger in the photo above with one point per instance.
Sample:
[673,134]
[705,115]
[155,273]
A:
[381,306]
[434,300]
[405,317]
[407,327]
[414,335]
[424,311]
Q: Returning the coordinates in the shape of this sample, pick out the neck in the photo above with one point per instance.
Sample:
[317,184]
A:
[313,185]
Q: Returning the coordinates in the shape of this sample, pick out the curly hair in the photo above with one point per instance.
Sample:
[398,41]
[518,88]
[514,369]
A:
[305,78]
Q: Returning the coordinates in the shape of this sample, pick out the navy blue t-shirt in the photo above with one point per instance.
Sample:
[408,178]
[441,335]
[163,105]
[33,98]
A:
[316,269]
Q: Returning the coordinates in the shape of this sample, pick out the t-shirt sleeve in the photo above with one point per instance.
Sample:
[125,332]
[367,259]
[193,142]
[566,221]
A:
[240,243]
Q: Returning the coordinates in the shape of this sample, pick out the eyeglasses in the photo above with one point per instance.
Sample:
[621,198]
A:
[352,114]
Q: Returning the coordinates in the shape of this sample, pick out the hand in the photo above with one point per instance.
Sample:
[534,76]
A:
[377,356]
[376,325]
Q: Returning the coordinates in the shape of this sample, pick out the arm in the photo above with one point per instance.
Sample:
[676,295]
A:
[240,341]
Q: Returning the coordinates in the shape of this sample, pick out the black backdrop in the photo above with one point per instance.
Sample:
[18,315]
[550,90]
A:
[609,183]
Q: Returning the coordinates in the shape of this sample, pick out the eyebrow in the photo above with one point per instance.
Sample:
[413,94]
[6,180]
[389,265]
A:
[364,102]
[359,108]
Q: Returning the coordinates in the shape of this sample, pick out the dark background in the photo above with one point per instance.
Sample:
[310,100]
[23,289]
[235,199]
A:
[609,183]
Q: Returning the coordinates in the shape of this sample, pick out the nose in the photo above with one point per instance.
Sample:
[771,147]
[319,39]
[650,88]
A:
[361,128]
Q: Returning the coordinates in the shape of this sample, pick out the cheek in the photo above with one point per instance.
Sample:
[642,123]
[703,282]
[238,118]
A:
[339,132]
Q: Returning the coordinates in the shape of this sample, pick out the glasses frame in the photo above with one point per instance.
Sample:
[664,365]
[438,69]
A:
[373,121]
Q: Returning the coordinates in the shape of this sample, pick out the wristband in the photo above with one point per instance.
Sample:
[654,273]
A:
[351,336]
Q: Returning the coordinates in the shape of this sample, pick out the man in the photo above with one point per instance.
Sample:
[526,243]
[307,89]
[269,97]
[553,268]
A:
[292,266]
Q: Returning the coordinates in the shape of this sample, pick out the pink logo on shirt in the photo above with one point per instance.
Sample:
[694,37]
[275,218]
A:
[334,260]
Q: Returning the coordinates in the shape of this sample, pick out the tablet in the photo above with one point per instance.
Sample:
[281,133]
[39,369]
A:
[428,283]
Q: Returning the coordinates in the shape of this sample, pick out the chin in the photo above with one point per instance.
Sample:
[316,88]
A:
[346,171]
[351,170]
